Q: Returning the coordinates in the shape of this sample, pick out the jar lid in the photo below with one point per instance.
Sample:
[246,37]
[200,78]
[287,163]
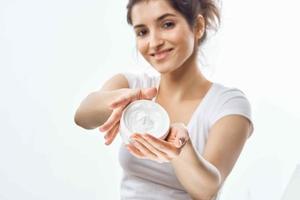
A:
[144,116]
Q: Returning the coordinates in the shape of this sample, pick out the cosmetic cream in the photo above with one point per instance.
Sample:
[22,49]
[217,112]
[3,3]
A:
[144,116]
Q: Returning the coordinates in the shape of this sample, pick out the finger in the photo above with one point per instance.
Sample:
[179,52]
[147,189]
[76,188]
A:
[159,154]
[108,133]
[133,150]
[126,99]
[146,152]
[123,101]
[171,134]
[148,93]
[177,135]
[181,136]
[112,120]
[137,94]
[180,142]
[171,150]
[110,136]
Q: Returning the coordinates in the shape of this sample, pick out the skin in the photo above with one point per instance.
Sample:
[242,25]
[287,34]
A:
[158,27]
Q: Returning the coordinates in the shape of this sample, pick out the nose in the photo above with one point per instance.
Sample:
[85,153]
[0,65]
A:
[155,40]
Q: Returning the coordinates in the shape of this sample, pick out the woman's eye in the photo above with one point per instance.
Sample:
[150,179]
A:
[141,33]
[168,25]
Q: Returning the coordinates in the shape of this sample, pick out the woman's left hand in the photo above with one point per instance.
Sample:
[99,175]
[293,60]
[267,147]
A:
[146,146]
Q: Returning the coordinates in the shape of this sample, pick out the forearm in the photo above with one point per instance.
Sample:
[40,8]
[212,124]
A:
[94,109]
[200,178]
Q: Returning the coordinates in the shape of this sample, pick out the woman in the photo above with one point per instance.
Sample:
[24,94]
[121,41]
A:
[209,122]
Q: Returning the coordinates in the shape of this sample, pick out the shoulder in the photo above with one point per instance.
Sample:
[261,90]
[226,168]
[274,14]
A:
[227,92]
[225,96]
[229,101]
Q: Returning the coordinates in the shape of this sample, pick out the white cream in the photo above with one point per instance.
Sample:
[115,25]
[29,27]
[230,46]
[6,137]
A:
[144,116]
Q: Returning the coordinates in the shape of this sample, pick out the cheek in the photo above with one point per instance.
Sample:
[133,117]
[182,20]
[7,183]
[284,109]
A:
[186,45]
[190,43]
[184,40]
[141,46]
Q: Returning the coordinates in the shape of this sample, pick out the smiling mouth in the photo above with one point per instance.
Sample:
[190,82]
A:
[161,54]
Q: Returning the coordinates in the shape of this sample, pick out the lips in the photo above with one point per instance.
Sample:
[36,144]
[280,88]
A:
[160,55]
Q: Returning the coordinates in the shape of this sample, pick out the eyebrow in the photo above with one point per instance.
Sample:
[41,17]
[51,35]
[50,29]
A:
[158,19]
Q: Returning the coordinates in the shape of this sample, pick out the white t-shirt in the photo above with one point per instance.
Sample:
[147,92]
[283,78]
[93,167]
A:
[146,179]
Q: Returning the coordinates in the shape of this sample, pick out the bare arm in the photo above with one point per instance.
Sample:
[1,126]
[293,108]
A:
[202,176]
[94,109]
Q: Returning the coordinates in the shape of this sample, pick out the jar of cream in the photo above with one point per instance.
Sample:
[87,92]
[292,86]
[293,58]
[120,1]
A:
[144,116]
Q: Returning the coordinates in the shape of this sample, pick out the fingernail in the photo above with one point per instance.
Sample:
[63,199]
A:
[107,142]
[133,141]
[181,141]
[130,140]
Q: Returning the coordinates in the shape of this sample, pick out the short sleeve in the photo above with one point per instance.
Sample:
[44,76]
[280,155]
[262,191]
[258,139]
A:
[232,102]
[142,80]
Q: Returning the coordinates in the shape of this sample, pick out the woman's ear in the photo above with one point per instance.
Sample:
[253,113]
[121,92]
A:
[199,27]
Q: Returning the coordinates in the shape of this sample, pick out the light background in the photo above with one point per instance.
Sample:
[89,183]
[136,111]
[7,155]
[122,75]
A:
[53,53]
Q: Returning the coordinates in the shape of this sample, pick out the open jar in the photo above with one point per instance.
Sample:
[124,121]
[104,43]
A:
[144,116]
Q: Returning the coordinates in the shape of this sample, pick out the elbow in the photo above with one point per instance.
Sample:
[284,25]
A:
[79,121]
[215,192]
[211,195]
[212,188]
[216,184]
[217,180]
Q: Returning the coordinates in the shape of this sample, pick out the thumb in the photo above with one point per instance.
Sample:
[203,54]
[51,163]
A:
[149,93]
[180,142]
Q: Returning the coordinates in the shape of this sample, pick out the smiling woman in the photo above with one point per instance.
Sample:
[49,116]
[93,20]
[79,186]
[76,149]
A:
[210,123]
[174,19]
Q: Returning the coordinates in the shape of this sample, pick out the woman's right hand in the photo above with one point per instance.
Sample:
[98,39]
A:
[112,124]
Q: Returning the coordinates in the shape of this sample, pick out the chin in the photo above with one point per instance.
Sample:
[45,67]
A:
[166,67]
[163,68]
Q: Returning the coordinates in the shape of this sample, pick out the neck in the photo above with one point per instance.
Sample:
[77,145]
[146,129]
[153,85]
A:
[184,83]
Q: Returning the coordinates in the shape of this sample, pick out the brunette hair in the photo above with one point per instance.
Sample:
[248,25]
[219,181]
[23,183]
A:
[190,9]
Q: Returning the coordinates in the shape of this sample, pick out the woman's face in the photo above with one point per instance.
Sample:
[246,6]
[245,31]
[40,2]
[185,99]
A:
[163,36]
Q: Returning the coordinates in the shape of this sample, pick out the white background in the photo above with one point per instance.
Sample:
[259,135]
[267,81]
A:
[53,53]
